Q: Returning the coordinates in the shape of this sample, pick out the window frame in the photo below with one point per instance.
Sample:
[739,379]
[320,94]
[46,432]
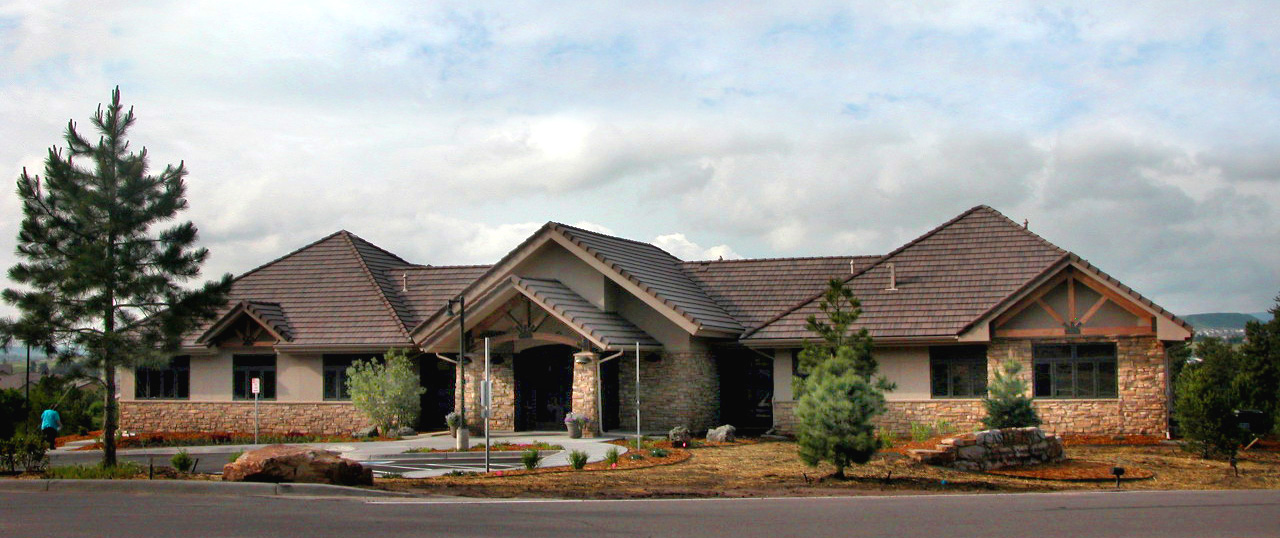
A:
[1057,366]
[333,367]
[947,358]
[177,372]
[241,375]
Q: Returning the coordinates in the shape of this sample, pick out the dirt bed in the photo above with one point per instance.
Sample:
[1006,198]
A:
[771,468]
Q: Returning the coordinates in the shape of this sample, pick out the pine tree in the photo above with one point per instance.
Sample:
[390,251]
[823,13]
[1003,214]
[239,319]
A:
[102,263]
[837,398]
[1007,403]
[1259,380]
[1207,397]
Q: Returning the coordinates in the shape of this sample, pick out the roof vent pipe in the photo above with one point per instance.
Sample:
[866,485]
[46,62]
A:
[404,281]
[893,278]
[851,266]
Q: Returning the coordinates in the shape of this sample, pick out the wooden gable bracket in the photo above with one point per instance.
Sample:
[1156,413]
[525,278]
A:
[1071,322]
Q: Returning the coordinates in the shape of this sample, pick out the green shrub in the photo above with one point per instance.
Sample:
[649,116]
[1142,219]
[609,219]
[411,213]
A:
[122,470]
[24,451]
[1007,403]
[659,453]
[943,427]
[531,458]
[611,457]
[1207,394]
[885,437]
[13,410]
[921,431]
[578,459]
[387,391]
[182,461]
[635,456]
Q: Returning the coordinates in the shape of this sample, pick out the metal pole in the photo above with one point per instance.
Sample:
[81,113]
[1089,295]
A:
[488,404]
[463,442]
[28,374]
[255,418]
[637,396]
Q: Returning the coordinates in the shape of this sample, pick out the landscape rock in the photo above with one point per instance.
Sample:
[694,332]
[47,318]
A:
[993,449]
[371,431]
[405,431]
[292,463]
[722,434]
[680,436]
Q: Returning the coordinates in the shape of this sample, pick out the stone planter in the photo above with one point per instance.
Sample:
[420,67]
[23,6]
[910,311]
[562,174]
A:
[575,430]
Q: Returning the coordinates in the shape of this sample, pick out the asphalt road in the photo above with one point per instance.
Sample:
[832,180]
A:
[1163,514]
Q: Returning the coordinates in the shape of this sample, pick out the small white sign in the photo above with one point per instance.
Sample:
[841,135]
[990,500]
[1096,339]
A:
[255,386]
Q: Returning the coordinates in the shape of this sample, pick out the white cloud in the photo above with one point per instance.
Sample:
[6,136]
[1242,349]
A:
[681,247]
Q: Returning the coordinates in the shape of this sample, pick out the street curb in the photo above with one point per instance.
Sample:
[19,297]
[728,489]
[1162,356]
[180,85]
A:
[194,487]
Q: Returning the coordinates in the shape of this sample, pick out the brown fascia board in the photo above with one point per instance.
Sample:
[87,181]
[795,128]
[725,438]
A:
[519,253]
[1084,265]
[768,343]
[485,304]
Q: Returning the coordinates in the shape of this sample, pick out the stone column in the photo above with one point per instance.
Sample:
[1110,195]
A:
[585,390]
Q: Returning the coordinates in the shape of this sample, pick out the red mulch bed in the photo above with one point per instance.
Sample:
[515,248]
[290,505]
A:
[70,438]
[1112,440]
[1073,471]
[179,439]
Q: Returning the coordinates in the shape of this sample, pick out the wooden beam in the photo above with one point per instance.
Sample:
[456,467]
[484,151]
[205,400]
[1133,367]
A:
[1116,298]
[1029,333]
[1051,312]
[1084,331]
[1097,305]
[1071,299]
[1029,300]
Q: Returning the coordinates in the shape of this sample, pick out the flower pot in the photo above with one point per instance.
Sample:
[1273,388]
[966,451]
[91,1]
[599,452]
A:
[453,431]
[575,430]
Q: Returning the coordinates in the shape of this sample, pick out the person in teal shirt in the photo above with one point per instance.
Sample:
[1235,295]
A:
[50,423]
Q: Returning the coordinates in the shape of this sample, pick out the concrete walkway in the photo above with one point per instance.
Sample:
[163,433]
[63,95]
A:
[596,448]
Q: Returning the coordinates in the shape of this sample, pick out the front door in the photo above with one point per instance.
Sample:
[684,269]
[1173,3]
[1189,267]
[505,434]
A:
[544,387]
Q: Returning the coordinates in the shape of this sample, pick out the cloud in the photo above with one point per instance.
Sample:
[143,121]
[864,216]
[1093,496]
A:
[681,247]
[1141,136]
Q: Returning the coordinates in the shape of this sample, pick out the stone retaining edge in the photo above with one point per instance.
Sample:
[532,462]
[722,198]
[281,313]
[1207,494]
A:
[195,487]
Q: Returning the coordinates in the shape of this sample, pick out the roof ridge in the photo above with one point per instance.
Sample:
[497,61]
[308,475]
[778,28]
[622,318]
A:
[1025,230]
[368,273]
[882,259]
[785,258]
[291,253]
[412,267]
[636,241]
[355,237]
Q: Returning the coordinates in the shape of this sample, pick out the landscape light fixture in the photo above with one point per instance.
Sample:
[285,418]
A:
[1118,471]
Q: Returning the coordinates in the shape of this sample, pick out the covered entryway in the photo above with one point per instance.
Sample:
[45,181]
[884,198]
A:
[544,386]
[437,379]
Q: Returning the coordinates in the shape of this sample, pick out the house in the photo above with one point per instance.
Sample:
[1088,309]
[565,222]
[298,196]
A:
[570,314]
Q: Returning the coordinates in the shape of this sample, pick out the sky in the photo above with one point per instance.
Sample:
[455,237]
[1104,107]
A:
[1143,136]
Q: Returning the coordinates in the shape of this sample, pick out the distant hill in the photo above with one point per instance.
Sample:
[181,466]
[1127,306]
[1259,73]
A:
[1264,316]
[1220,320]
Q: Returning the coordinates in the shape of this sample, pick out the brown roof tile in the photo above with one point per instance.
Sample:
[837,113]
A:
[608,328]
[753,291]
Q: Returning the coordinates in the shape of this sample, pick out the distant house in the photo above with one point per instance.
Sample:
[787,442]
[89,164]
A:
[567,310]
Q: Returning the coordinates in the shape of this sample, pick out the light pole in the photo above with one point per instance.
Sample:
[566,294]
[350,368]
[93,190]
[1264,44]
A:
[463,441]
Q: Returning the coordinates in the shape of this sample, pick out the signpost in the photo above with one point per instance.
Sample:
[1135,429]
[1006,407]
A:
[486,400]
[637,397]
[255,386]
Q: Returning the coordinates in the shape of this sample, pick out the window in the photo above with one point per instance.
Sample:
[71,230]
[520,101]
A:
[958,371]
[335,375]
[171,381]
[246,367]
[1075,371]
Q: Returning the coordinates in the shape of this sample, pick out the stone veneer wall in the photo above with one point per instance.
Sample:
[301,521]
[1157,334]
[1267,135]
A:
[680,389]
[1139,409]
[323,418]
[502,373]
[584,401]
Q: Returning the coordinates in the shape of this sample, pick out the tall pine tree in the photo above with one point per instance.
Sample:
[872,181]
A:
[102,260]
[837,398]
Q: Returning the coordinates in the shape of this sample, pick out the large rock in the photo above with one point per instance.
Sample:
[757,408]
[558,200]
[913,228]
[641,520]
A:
[679,436]
[723,434]
[292,463]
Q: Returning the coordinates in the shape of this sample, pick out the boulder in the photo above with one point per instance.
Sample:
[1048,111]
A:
[723,434]
[679,436]
[405,431]
[293,463]
[371,431]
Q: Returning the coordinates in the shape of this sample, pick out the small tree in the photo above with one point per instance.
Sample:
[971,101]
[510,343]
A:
[1007,403]
[1207,398]
[103,265]
[1259,380]
[838,399]
[386,390]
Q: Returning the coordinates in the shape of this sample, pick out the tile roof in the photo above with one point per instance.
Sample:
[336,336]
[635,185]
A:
[608,328]
[658,273]
[329,293]
[753,291]
[946,278]
[426,288]
[269,314]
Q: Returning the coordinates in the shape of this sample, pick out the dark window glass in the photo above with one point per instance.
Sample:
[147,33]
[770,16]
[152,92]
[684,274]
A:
[246,367]
[958,371]
[171,381]
[1075,371]
[335,375]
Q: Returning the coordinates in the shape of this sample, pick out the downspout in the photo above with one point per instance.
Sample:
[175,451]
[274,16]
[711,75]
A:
[600,389]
